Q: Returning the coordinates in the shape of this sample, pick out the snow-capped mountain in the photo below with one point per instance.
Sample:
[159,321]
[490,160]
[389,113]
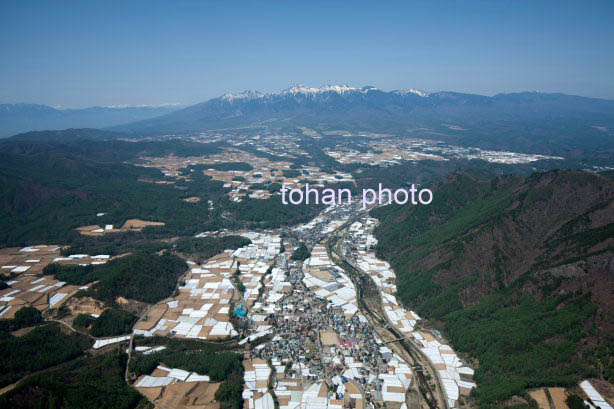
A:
[339,89]
[243,96]
[303,91]
[528,121]
[369,108]
[412,91]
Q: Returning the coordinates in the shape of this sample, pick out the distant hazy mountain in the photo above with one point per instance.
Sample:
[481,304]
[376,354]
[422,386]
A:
[16,118]
[530,121]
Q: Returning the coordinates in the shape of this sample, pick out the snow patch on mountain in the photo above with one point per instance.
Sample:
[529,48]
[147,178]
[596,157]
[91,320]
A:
[243,95]
[301,89]
[412,91]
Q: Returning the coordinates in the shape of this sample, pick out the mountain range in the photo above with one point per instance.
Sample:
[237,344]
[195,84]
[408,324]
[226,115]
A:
[17,118]
[532,122]
[366,107]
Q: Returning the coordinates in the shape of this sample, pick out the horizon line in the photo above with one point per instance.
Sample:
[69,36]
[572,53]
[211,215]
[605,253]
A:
[62,107]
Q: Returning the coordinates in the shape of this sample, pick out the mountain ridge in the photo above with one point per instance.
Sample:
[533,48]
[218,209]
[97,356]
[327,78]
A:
[530,122]
[554,124]
[517,270]
[23,117]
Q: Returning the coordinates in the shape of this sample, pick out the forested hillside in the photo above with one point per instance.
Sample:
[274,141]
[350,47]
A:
[518,270]
[43,347]
[52,182]
[206,247]
[96,381]
[142,277]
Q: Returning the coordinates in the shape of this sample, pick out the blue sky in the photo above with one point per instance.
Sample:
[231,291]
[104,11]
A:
[88,53]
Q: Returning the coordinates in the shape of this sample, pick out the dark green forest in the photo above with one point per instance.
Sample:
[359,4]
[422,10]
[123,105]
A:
[25,317]
[93,382]
[112,322]
[207,247]
[527,331]
[525,344]
[41,348]
[142,277]
[50,185]
[301,253]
